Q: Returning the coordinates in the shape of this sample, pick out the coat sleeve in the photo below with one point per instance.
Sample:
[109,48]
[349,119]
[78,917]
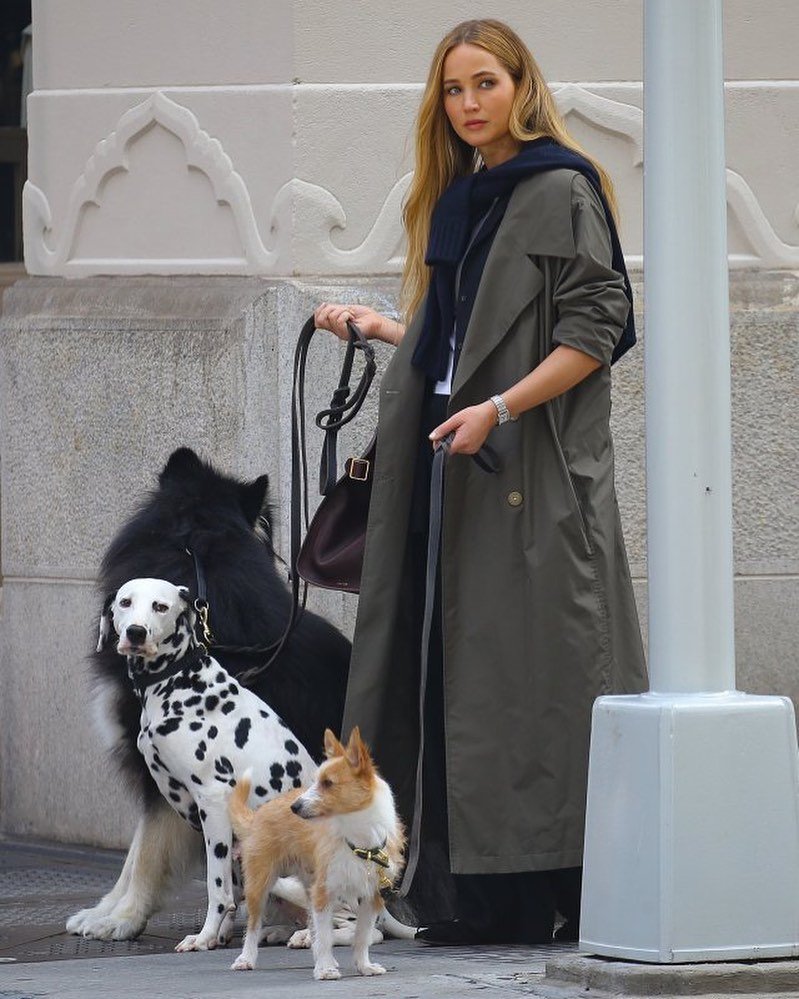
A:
[590,301]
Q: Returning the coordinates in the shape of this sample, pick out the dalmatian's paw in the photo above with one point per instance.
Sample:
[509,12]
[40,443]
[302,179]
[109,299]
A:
[367,968]
[326,973]
[197,941]
[300,940]
[225,934]
[241,964]
[277,935]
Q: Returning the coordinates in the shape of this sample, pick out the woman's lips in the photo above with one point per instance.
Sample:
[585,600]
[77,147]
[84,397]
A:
[475,124]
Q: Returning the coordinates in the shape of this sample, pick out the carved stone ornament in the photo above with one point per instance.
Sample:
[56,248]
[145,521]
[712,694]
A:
[305,217]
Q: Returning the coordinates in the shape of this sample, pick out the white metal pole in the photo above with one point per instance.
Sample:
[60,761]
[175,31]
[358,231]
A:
[692,818]
[689,506]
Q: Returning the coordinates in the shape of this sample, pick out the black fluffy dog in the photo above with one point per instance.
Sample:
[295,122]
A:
[220,519]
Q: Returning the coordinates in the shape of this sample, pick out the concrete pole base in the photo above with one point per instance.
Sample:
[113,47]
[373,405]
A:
[581,975]
[692,829]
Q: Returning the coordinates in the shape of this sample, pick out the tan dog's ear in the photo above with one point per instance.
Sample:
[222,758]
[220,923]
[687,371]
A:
[332,746]
[357,752]
[106,627]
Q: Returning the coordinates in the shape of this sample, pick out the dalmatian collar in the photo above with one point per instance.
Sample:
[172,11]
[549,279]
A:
[142,677]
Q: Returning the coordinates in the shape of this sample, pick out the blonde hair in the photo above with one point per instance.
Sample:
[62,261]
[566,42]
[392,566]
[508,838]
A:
[441,155]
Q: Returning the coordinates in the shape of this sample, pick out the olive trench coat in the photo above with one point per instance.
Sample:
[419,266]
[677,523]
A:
[538,614]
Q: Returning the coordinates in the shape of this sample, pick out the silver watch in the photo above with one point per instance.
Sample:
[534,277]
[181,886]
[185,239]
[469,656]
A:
[503,413]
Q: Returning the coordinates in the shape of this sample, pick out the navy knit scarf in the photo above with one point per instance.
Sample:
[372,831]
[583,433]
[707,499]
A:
[455,215]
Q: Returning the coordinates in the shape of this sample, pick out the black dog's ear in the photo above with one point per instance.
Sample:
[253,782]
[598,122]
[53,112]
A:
[106,625]
[253,498]
[180,462]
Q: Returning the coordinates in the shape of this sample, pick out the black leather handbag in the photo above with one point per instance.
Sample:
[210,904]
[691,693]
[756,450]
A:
[331,556]
[331,553]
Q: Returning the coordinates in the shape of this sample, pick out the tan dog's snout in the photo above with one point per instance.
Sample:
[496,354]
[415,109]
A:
[307,805]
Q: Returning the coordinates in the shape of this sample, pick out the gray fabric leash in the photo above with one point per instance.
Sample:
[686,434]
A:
[433,547]
[487,460]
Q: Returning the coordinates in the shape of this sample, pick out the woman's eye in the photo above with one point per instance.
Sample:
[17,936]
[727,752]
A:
[452,91]
[160,608]
[124,602]
[487,84]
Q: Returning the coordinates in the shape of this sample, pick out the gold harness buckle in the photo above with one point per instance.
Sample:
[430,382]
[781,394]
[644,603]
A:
[201,606]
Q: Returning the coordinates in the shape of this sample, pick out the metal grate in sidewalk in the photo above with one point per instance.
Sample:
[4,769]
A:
[41,885]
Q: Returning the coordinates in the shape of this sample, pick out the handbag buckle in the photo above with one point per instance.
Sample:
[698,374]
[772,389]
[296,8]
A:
[359,469]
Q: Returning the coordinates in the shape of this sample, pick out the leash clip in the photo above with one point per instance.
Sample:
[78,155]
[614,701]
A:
[201,606]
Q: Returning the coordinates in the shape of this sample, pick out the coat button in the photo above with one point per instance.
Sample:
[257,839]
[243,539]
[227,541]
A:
[515,498]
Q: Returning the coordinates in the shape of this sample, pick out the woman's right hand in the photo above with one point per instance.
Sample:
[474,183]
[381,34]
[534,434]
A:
[373,325]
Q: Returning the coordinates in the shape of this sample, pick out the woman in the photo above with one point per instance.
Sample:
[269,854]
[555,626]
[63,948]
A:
[518,296]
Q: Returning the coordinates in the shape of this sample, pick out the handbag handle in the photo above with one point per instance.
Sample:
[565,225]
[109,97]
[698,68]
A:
[342,409]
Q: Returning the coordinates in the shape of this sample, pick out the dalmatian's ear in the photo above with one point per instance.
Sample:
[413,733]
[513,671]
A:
[106,626]
[189,613]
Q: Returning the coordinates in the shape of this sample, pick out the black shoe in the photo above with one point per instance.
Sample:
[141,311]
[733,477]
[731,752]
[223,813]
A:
[453,933]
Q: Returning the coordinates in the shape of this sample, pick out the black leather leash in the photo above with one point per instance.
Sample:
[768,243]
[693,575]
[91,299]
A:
[344,405]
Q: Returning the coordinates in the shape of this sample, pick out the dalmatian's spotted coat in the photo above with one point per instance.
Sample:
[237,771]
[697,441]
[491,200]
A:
[200,730]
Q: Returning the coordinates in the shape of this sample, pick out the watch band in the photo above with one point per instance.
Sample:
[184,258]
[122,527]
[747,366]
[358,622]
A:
[503,413]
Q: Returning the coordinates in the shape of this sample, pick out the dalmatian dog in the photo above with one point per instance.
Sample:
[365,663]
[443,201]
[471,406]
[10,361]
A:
[200,730]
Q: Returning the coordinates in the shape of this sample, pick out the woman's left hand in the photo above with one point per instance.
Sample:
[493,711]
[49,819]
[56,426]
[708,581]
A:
[471,425]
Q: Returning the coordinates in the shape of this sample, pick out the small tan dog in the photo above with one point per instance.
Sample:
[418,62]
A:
[341,837]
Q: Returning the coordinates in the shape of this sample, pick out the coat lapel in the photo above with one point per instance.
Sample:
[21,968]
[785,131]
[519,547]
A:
[511,279]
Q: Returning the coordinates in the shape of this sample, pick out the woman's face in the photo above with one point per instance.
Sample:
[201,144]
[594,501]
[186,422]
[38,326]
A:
[478,96]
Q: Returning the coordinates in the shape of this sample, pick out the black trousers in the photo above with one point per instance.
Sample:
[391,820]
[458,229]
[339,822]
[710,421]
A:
[518,907]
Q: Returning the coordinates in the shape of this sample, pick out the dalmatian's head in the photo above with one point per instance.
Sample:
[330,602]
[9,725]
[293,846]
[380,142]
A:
[154,620]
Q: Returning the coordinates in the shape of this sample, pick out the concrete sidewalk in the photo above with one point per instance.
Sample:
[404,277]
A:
[41,885]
